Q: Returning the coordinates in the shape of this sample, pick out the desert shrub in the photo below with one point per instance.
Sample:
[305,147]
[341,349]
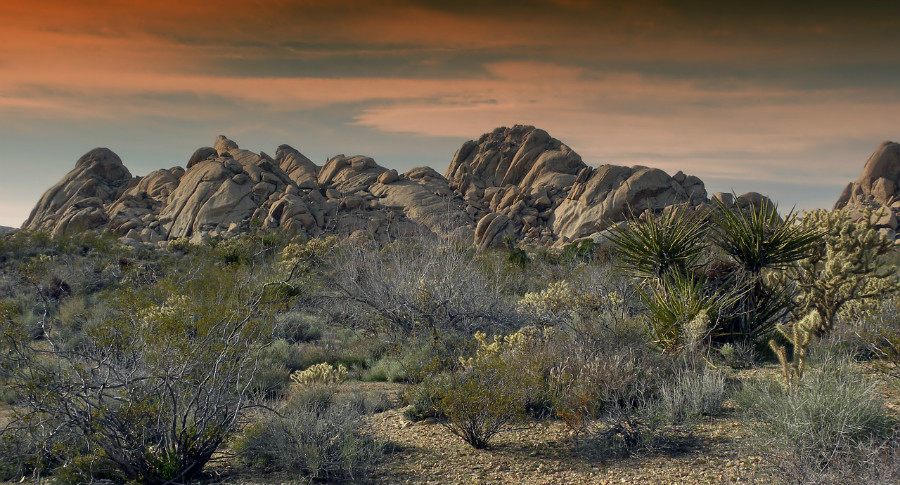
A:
[613,388]
[422,401]
[159,385]
[296,327]
[30,312]
[691,395]
[181,245]
[86,469]
[477,402]
[737,355]
[878,334]
[386,369]
[365,401]
[518,257]
[584,251]
[560,301]
[494,387]
[23,453]
[276,362]
[818,425]
[317,438]
[418,287]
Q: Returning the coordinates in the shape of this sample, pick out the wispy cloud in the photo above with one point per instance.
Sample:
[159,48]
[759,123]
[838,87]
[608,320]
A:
[727,93]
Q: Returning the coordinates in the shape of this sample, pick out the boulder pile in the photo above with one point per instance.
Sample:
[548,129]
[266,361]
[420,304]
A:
[514,183]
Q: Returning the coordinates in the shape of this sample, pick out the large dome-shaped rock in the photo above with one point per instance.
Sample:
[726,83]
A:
[77,202]
[879,181]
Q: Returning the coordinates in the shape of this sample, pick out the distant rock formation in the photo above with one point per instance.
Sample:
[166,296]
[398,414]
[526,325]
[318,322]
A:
[879,181]
[878,187]
[517,183]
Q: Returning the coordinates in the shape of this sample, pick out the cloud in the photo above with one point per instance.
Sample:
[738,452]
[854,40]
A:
[730,93]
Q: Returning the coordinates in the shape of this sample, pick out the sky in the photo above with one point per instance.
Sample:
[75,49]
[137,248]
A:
[787,98]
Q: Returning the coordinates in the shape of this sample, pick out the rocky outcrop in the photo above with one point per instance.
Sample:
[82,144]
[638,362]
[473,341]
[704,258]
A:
[878,187]
[880,180]
[547,193]
[78,201]
[511,184]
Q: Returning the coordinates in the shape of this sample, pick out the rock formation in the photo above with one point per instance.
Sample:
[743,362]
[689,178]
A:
[879,181]
[517,183]
[543,190]
[878,187]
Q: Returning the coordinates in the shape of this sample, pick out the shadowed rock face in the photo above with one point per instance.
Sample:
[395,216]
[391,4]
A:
[514,182]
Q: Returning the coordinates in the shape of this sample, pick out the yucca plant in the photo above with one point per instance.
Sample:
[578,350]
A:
[651,247]
[760,241]
[680,300]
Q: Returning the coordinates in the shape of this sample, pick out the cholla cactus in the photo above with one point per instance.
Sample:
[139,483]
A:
[800,335]
[515,345]
[182,244]
[696,329]
[175,306]
[323,373]
[847,269]
[297,258]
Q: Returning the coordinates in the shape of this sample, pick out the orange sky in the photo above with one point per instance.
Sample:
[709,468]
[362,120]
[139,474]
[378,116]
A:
[787,98]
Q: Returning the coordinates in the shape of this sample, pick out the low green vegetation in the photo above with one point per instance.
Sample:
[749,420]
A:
[136,365]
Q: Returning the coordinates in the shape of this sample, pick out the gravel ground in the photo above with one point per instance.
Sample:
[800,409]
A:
[427,453]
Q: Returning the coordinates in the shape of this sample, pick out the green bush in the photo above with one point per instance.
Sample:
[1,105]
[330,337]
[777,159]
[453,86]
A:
[477,402]
[159,384]
[422,400]
[818,425]
[385,369]
[315,437]
[691,395]
[486,392]
[737,355]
